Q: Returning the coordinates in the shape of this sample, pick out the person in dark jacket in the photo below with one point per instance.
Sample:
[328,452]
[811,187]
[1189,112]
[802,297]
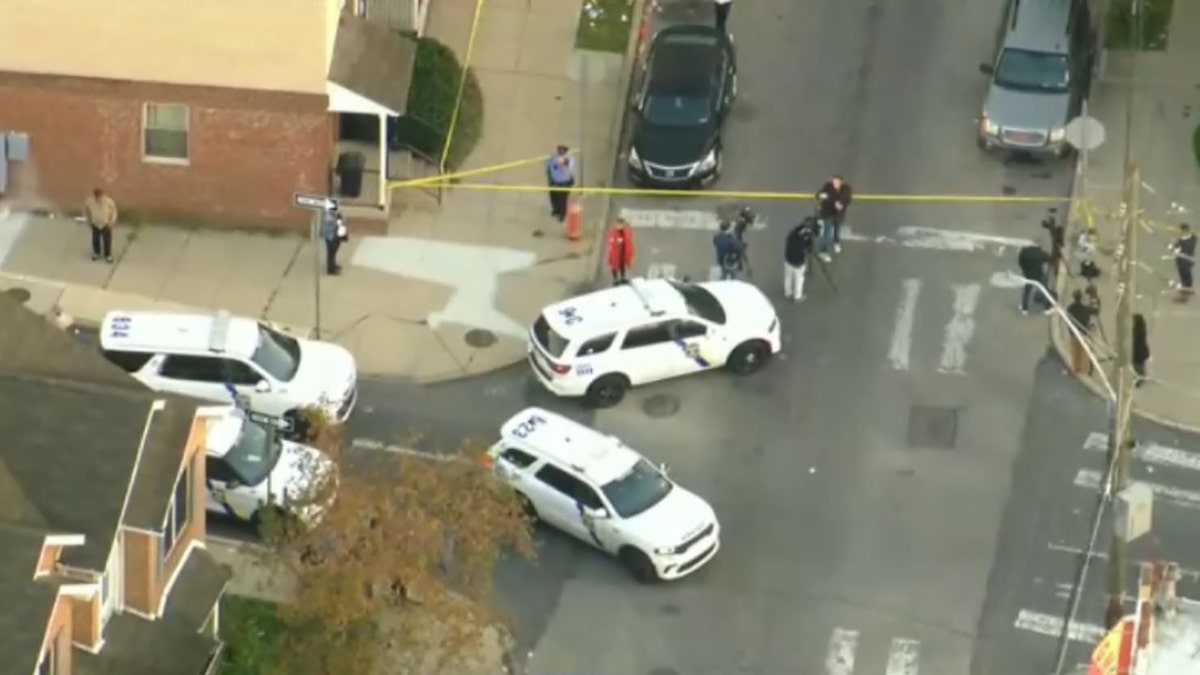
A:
[729,251]
[1033,260]
[1082,314]
[333,232]
[1184,250]
[1141,349]
[796,249]
[832,201]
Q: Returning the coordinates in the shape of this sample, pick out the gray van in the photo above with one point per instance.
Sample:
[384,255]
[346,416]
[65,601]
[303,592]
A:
[1040,75]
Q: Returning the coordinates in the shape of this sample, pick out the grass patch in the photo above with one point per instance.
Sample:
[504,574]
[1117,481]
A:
[604,25]
[1121,32]
[253,635]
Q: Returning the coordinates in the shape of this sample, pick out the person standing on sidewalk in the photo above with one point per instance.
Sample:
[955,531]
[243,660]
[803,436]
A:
[722,7]
[1140,349]
[832,201]
[1081,313]
[333,231]
[797,247]
[101,213]
[620,250]
[1032,260]
[1184,251]
[560,173]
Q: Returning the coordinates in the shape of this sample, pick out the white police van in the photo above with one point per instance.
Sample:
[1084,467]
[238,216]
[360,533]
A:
[250,467]
[599,344]
[205,355]
[595,488]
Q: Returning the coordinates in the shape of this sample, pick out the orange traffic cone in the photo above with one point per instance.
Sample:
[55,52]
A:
[574,221]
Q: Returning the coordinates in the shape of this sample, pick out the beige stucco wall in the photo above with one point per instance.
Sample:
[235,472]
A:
[277,45]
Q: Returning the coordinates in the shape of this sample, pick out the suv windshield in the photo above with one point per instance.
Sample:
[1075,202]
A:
[1026,70]
[547,339]
[254,454]
[638,490]
[701,303]
[277,354]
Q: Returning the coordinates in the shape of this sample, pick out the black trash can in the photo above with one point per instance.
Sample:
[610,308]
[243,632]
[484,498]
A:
[349,169]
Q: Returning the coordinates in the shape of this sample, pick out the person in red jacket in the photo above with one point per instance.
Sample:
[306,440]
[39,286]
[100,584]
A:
[620,250]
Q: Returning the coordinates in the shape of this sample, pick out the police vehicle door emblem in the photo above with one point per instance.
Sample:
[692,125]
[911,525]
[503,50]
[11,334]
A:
[692,350]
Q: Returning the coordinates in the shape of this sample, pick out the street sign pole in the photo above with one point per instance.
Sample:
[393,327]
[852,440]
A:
[320,206]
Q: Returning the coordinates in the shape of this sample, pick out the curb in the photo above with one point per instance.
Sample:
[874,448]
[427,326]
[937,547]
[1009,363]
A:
[1061,340]
[638,33]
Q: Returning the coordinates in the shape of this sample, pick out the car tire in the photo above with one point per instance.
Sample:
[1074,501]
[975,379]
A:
[717,169]
[749,357]
[639,565]
[607,391]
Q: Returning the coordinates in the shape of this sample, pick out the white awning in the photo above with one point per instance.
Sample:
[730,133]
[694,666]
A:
[342,100]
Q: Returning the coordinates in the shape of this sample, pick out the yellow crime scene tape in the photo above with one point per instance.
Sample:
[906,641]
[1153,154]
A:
[462,85]
[753,194]
[447,177]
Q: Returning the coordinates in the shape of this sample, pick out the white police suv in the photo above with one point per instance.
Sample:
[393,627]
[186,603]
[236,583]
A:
[250,467]
[593,487]
[206,355]
[599,344]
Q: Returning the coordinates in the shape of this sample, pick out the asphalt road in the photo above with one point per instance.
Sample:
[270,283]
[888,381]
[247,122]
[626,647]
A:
[843,530]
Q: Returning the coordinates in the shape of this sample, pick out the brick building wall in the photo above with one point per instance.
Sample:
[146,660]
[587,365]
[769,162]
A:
[248,151]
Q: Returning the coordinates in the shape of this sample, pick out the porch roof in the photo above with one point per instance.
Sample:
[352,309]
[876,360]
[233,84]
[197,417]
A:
[371,69]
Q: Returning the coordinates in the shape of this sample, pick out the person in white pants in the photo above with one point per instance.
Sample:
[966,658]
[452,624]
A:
[797,249]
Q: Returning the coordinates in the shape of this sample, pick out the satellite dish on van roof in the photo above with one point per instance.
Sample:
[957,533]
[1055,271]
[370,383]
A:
[1085,133]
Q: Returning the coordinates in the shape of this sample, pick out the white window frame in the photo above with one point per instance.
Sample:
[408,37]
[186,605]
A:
[171,522]
[187,132]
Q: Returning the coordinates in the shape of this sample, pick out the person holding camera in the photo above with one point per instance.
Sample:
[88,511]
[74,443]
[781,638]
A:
[730,251]
[832,201]
[797,247]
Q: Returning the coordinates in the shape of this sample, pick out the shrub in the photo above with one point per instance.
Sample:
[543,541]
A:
[431,99]
[1156,19]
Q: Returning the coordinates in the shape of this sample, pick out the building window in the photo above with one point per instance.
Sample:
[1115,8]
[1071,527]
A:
[165,132]
[178,511]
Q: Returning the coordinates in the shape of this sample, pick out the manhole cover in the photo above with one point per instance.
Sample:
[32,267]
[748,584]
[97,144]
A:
[670,609]
[933,427]
[479,338]
[661,405]
[538,234]
[1008,190]
[663,670]
[19,294]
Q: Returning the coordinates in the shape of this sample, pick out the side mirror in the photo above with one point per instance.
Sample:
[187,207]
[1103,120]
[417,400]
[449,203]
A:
[594,514]
[636,103]
[986,68]
[662,466]
[262,387]
[233,484]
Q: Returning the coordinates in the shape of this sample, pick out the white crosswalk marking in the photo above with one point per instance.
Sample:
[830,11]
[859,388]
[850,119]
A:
[960,329]
[906,314]
[661,271]
[1051,626]
[1088,478]
[839,657]
[934,239]
[1151,453]
[668,219]
[903,657]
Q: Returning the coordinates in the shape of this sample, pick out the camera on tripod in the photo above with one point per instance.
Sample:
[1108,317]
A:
[745,218]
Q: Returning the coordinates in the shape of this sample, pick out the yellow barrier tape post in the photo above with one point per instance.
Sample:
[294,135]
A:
[764,195]
[447,177]
[462,86]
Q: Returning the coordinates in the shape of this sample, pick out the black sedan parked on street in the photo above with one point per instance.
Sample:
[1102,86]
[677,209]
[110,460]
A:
[690,81]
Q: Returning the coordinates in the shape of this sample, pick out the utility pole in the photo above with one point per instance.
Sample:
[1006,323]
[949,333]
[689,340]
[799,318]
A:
[1121,437]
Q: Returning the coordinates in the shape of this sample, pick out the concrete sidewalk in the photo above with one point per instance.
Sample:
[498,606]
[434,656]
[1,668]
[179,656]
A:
[1166,110]
[451,290]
